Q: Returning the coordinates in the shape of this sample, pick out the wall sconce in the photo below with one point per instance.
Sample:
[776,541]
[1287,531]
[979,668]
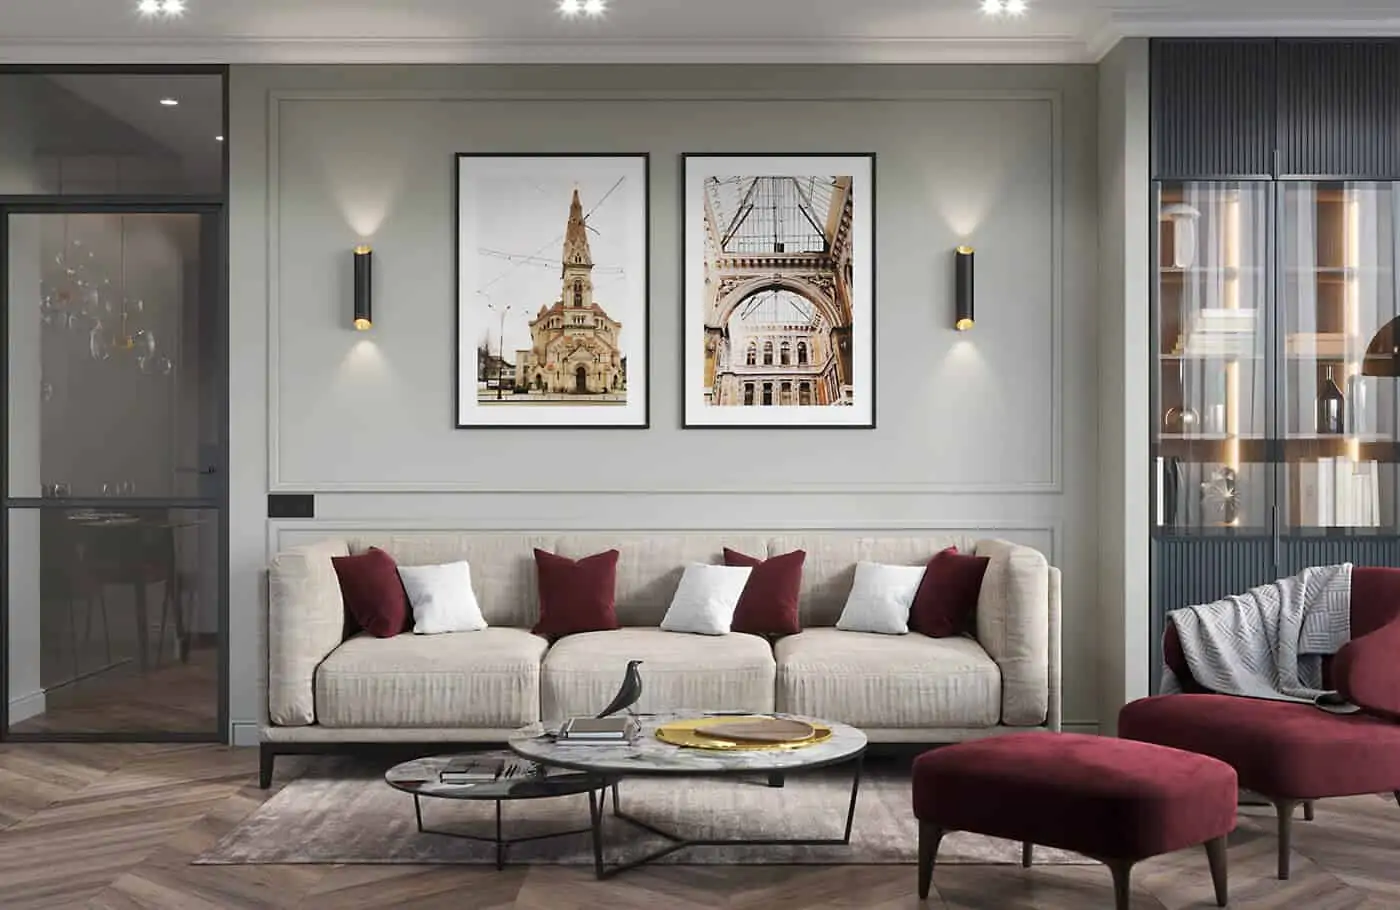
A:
[963,270]
[364,318]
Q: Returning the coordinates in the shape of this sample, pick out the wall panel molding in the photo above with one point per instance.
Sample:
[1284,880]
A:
[1050,483]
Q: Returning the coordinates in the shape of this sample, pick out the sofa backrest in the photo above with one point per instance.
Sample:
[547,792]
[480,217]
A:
[650,565]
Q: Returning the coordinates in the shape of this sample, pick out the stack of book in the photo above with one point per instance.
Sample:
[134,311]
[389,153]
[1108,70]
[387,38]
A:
[466,769]
[1218,332]
[599,730]
[1339,493]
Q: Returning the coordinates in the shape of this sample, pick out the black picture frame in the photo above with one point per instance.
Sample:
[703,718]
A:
[643,421]
[690,345]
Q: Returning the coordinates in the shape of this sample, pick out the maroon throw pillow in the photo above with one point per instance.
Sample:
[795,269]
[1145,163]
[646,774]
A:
[768,605]
[373,593]
[576,595]
[946,602]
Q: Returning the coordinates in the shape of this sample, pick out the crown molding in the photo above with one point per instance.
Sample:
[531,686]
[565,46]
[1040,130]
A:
[254,50]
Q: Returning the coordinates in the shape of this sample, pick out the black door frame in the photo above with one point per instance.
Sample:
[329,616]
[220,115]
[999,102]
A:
[213,206]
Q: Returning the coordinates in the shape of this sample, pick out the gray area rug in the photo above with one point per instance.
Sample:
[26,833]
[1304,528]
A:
[343,812]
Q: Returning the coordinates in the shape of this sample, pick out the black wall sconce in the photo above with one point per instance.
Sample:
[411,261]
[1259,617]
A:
[364,318]
[963,269]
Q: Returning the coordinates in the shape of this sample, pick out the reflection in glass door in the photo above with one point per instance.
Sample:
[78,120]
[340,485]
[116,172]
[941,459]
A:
[114,472]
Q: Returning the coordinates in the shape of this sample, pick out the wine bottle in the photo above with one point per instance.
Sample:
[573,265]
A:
[1331,407]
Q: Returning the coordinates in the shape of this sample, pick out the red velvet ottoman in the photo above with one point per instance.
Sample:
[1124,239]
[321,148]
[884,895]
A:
[1290,753]
[1112,800]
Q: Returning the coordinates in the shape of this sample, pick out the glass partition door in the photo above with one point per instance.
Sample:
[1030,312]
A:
[114,471]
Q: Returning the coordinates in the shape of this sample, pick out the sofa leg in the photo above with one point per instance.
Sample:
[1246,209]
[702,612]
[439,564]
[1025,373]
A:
[1122,870]
[1027,854]
[1285,809]
[266,759]
[929,837]
[1218,857]
[1308,809]
[776,779]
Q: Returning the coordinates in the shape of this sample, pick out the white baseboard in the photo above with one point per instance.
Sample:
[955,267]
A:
[27,706]
[243,733]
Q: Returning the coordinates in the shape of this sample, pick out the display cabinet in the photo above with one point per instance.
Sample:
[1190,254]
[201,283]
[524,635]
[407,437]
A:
[1274,301]
[1275,406]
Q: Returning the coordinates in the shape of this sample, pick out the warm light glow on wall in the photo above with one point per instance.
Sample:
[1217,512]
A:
[1232,302]
[1351,264]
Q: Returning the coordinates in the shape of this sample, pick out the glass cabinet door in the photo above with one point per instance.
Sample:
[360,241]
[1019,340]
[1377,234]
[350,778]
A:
[1211,461]
[1337,291]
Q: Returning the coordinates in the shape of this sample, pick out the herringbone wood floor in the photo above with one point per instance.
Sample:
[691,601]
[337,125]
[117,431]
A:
[115,828]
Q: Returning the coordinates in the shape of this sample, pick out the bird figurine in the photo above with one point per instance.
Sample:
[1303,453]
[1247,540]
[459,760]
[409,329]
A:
[629,694]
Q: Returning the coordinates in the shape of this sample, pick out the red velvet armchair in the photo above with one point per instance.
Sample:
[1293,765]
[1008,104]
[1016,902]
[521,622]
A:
[1291,753]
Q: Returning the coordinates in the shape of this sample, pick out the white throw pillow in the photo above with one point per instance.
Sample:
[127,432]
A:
[705,601]
[880,599]
[442,598]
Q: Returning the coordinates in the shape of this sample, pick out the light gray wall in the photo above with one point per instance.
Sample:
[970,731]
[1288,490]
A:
[985,431]
[1125,359]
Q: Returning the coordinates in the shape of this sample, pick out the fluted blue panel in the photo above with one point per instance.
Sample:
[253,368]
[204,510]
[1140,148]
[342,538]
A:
[1299,553]
[1213,108]
[1339,108]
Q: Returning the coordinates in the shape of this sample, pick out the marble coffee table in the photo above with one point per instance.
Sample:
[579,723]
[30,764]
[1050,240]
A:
[420,778]
[650,757]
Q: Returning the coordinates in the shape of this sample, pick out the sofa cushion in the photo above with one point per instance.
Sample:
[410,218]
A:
[768,605]
[489,678]
[649,570]
[728,672]
[503,566]
[576,595]
[871,680]
[831,565]
[374,595]
[946,602]
[1280,749]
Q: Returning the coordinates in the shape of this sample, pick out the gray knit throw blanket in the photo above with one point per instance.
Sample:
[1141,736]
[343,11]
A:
[1269,643]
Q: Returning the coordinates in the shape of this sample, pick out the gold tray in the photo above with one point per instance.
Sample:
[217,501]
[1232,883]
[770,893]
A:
[686,733]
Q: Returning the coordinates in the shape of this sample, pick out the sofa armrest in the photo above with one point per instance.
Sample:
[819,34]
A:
[305,623]
[1015,621]
[1366,673]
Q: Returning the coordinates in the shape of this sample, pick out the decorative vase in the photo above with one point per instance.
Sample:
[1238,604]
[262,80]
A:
[1331,407]
[1184,421]
[1356,409]
[1183,218]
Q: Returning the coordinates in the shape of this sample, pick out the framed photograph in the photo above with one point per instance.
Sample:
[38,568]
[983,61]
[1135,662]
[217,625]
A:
[779,262]
[552,291]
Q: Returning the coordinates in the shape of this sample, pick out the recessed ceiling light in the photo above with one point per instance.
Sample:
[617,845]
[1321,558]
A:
[218,138]
[169,102]
[991,7]
[1013,7]
[149,8]
[1009,7]
[572,8]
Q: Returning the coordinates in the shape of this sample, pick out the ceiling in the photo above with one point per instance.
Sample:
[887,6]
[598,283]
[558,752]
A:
[645,31]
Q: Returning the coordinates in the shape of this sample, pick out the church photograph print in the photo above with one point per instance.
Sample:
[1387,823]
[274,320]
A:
[552,291]
[779,291]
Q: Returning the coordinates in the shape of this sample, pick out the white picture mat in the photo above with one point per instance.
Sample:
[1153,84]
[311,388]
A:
[861,171]
[541,187]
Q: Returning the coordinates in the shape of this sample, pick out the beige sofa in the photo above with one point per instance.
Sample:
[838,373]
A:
[326,693]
